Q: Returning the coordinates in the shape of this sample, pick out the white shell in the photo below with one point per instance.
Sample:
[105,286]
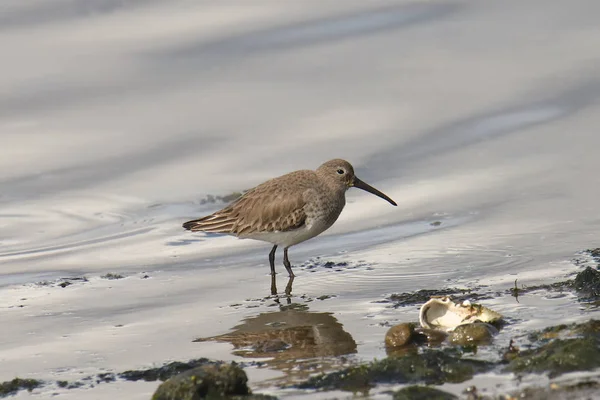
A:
[442,313]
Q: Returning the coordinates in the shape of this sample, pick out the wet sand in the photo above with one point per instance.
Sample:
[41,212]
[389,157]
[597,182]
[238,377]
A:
[117,118]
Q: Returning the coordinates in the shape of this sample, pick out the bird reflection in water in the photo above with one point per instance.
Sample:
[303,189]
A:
[296,341]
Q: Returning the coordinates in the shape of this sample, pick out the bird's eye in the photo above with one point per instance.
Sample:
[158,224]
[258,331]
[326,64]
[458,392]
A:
[340,171]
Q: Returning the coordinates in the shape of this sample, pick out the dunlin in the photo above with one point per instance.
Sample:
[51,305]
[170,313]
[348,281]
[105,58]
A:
[289,209]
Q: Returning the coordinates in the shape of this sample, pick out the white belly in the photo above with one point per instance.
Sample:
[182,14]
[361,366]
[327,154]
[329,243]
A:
[289,238]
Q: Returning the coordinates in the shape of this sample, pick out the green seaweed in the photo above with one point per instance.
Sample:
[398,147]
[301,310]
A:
[579,390]
[421,296]
[9,388]
[429,367]
[558,357]
[422,393]
[112,276]
[165,372]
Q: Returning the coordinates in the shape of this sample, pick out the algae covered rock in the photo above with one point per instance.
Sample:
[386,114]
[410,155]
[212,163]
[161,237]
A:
[399,335]
[205,382]
[429,367]
[586,389]
[589,328]
[422,393]
[164,372]
[477,333]
[9,388]
[587,284]
[560,352]
[433,337]
[559,356]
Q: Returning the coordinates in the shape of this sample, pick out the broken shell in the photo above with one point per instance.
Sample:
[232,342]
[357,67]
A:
[443,313]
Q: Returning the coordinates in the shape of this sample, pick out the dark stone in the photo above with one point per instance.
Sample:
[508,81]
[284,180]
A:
[317,262]
[205,382]
[69,385]
[477,333]
[587,284]
[111,276]
[422,393]
[106,377]
[325,297]
[331,264]
[399,335]
[432,337]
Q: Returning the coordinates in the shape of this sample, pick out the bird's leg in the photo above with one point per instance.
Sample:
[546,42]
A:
[288,288]
[273,286]
[286,263]
[272,260]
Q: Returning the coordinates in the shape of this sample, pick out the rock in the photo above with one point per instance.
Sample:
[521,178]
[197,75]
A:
[579,390]
[559,356]
[589,328]
[205,382]
[477,333]
[112,276]
[9,388]
[422,393]
[399,335]
[428,367]
[587,284]
[511,352]
[594,253]
[165,372]
[561,349]
[433,337]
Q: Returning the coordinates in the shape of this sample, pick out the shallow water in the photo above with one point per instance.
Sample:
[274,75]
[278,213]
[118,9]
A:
[117,117]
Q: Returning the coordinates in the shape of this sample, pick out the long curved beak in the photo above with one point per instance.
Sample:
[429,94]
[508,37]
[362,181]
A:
[368,188]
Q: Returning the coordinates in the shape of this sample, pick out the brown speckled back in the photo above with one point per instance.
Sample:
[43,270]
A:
[284,203]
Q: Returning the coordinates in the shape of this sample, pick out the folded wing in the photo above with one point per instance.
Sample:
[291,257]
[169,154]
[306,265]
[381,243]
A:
[272,206]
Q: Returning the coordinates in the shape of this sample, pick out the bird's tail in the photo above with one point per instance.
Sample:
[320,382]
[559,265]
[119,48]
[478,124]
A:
[214,223]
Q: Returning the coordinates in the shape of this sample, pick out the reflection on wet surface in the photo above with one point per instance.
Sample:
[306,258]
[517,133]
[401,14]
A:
[295,340]
[288,287]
